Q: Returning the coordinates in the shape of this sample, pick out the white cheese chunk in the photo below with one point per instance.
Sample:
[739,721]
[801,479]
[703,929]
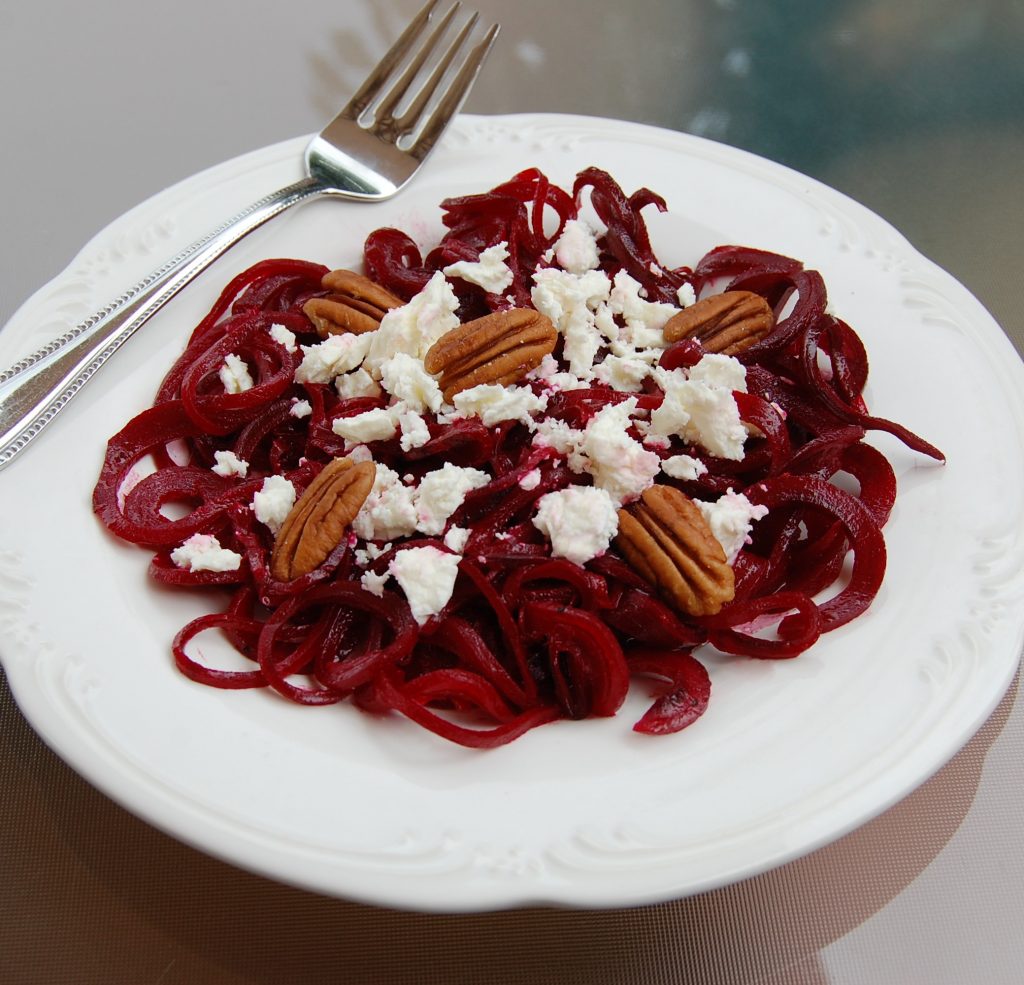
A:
[701,414]
[730,519]
[283,335]
[378,424]
[404,377]
[570,301]
[456,539]
[235,375]
[618,462]
[414,327]
[442,492]
[415,432]
[337,354]
[374,583]
[576,249]
[358,383]
[427,577]
[229,464]
[389,512]
[273,501]
[580,522]
[683,467]
[489,272]
[494,403]
[300,408]
[686,295]
[644,319]
[714,369]
[201,552]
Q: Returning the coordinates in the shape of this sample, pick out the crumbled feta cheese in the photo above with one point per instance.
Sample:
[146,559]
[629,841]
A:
[686,295]
[414,327]
[701,414]
[229,464]
[490,272]
[441,493]
[374,552]
[359,454]
[404,377]
[389,512]
[300,408]
[283,335]
[234,374]
[683,467]
[618,462]
[337,354]
[414,429]
[493,403]
[378,424]
[576,249]
[201,552]
[570,301]
[580,522]
[626,373]
[374,583]
[644,319]
[273,501]
[730,519]
[558,435]
[715,369]
[531,480]
[427,577]
[456,538]
[358,383]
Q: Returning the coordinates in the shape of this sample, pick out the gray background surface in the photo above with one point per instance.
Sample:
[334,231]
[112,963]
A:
[916,109]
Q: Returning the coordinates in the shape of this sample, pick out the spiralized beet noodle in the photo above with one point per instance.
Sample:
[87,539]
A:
[526,638]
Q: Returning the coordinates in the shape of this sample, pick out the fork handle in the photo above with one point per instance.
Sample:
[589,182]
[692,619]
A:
[36,389]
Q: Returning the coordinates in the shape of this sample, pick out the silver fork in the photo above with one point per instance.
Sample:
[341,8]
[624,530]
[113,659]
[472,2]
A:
[366,153]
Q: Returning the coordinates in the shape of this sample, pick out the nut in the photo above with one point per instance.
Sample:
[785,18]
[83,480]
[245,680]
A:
[666,539]
[727,323]
[499,348]
[318,521]
[356,304]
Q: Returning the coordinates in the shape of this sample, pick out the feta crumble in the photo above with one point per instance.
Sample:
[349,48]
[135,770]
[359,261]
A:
[273,501]
[620,464]
[427,577]
[580,522]
[378,424]
[202,552]
[493,403]
[374,583]
[489,272]
[683,467]
[283,335]
[414,327]
[730,519]
[235,375]
[441,492]
[404,377]
[300,409]
[576,249]
[337,354]
[229,464]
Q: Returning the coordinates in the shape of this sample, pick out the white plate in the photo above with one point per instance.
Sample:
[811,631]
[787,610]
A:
[789,756]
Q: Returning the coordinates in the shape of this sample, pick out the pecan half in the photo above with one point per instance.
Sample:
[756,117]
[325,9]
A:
[318,521]
[666,539]
[499,348]
[727,323]
[356,304]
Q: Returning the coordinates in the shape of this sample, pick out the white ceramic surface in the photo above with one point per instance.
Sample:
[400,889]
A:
[789,756]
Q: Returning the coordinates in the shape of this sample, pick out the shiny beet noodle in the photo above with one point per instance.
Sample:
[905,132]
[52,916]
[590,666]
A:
[526,638]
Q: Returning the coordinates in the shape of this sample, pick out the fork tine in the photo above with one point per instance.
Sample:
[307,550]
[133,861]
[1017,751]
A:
[369,89]
[454,96]
[407,121]
[401,85]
